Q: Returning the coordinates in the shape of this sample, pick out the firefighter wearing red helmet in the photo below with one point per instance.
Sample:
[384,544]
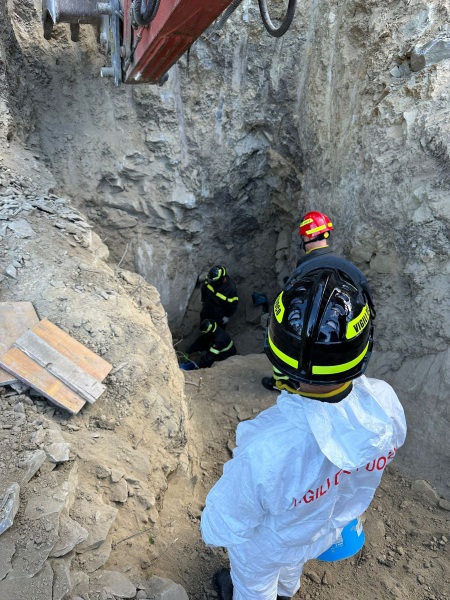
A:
[315,232]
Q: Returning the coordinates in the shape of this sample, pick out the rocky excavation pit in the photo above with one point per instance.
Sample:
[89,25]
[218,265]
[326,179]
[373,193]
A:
[348,113]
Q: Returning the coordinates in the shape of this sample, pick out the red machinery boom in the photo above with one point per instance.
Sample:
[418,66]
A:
[177,25]
[144,46]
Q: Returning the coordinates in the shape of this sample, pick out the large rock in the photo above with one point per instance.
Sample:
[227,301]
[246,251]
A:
[431,53]
[283,240]
[253,313]
[114,583]
[9,505]
[62,584]
[80,585]
[420,486]
[7,550]
[419,23]
[119,491]
[116,475]
[97,518]
[46,501]
[10,419]
[39,587]
[58,453]
[159,588]
[95,559]
[32,462]
[71,534]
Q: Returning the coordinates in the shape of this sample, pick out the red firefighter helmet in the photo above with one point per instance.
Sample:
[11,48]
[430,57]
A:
[315,223]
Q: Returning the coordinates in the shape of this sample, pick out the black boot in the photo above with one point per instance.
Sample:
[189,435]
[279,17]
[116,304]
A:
[223,584]
[269,383]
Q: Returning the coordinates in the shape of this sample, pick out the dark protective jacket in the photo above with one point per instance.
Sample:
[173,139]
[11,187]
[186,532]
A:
[214,346]
[220,301]
[314,253]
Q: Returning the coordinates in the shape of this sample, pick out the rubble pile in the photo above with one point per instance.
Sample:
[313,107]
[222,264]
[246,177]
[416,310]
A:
[74,488]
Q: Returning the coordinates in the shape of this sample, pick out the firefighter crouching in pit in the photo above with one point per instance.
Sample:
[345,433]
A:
[219,296]
[305,469]
[214,344]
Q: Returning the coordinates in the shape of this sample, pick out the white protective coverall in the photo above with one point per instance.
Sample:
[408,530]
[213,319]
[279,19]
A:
[302,470]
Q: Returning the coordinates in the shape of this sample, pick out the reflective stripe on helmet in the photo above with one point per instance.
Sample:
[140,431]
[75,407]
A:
[281,355]
[215,351]
[356,326]
[310,231]
[318,370]
[278,308]
[210,327]
[307,222]
[278,375]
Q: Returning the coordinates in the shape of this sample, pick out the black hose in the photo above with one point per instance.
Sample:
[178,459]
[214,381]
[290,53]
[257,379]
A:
[281,30]
[227,14]
[145,11]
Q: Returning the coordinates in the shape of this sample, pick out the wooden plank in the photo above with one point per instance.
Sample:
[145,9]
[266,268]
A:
[73,350]
[61,367]
[15,319]
[7,378]
[26,370]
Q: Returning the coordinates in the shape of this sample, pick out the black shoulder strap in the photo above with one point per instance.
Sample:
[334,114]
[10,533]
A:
[334,261]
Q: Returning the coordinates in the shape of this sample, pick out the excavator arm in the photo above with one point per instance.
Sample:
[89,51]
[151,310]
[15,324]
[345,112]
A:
[145,38]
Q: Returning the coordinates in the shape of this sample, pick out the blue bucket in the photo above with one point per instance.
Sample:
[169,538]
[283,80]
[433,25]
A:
[348,544]
[188,365]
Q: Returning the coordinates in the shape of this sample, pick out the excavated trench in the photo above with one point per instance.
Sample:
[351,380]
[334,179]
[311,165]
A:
[218,165]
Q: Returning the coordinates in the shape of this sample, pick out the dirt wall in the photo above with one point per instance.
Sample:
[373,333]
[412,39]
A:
[249,134]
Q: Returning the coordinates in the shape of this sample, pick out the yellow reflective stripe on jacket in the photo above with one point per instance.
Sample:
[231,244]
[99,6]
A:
[221,296]
[318,248]
[215,351]
[318,370]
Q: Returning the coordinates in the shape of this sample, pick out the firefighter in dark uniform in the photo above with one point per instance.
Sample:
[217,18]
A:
[315,232]
[219,296]
[214,344]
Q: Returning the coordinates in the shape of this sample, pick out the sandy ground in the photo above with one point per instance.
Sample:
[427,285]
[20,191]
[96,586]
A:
[405,555]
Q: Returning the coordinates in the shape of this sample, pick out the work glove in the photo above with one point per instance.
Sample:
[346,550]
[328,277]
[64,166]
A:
[225,320]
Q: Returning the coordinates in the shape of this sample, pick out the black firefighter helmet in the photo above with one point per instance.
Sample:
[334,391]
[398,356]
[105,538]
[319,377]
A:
[215,275]
[207,326]
[321,328]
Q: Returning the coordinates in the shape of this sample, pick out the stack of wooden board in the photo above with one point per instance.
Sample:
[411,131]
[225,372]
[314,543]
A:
[53,363]
[15,319]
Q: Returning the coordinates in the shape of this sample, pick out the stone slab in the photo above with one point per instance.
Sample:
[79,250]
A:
[39,587]
[113,582]
[9,505]
[96,518]
[159,588]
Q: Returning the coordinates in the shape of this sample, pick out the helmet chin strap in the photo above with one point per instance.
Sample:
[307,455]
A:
[316,238]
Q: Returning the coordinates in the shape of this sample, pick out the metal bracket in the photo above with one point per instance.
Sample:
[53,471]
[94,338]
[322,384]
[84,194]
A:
[115,41]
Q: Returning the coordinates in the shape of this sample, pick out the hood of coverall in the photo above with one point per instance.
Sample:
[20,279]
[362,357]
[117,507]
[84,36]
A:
[350,433]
